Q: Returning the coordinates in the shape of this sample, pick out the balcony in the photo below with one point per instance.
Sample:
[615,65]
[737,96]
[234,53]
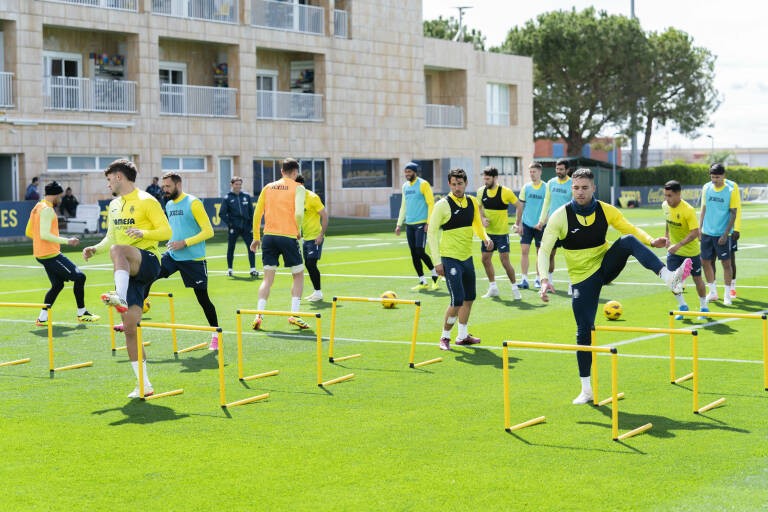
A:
[89,95]
[291,106]
[340,24]
[198,101]
[307,19]
[120,5]
[444,116]
[6,90]
[224,11]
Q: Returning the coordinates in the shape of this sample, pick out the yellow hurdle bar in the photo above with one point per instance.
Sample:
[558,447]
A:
[181,327]
[608,400]
[18,361]
[140,359]
[614,400]
[50,330]
[146,343]
[747,316]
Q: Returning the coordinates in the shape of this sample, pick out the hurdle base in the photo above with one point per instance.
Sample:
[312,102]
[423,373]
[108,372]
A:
[161,395]
[425,363]
[631,433]
[337,380]
[683,378]
[534,421]
[193,347]
[245,401]
[343,358]
[72,366]
[144,344]
[608,400]
[18,361]
[716,403]
[260,375]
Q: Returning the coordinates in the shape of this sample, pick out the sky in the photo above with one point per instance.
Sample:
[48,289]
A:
[734,31]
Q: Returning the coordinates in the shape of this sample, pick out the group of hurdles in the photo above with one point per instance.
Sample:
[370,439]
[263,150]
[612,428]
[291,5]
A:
[596,349]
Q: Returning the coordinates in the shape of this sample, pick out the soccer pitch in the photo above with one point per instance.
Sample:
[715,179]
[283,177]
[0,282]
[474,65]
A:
[393,437]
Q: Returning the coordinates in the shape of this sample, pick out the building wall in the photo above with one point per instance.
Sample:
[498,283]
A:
[373,87]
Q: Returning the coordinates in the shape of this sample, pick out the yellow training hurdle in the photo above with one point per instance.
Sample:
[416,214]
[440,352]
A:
[318,342]
[140,359]
[615,395]
[695,358]
[414,332]
[748,316]
[51,367]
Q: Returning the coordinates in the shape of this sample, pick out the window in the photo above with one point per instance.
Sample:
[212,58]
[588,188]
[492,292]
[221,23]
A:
[268,170]
[266,99]
[61,82]
[80,163]
[183,164]
[366,173]
[226,167]
[173,78]
[497,108]
[507,165]
[427,170]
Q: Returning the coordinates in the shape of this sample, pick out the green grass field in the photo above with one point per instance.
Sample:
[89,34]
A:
[393,438]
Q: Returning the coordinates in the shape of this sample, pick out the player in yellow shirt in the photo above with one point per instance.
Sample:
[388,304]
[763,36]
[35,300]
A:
[43,229]
[135,225]
[592,262]
[682,234]
[281,203]
[454,219]
[313,230]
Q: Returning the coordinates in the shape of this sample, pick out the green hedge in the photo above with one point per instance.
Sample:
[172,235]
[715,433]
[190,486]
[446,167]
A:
[689,174]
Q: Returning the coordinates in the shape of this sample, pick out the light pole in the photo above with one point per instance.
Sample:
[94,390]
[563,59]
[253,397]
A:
[711,149]
[613,171]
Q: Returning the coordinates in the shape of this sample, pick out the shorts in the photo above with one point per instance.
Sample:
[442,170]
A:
[530,234]
[500,243]
[60,269]
[734,245]
[417,237]
[194,273]
[710,248]
[674,261]
[274,246]
[149,269]
[460,280]
[311,251]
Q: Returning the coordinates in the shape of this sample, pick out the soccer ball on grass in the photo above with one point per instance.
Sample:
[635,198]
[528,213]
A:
[613,310]
[387,304]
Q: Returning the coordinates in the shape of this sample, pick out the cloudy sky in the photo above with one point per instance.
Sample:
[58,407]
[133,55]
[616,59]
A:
[734,31]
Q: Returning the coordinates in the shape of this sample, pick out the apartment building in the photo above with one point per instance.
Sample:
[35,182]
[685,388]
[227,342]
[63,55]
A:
[216,88]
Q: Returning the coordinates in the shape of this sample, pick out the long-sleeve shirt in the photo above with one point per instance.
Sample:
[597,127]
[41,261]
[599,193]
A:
[559,192]
[582,263]
[455,242]
[139,210]
[190,223]
[43,229]
[417,204]
[237,211]
[282,205]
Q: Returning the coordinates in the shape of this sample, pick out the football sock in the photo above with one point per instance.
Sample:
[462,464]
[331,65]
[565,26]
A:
[121,283]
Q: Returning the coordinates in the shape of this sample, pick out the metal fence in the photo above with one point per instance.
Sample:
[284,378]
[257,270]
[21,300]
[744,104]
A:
[444,116]
[89,95]
[6,90]
[308,19]
[121,5]
[213,10]
[193,100]
[289,105]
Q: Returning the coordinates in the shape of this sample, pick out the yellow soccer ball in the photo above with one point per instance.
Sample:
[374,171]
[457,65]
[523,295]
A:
[387,304]
[613,310]
[147,305]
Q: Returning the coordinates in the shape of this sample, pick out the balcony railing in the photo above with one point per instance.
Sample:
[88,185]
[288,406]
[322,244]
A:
[6,90]
[340,24]
[194,100]
[224,11]
[308,19]
[293,106]
[444,116]
[89,95]
[120,5]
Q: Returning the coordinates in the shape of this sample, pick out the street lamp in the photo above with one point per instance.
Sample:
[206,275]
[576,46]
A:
[613,171]
[711,149]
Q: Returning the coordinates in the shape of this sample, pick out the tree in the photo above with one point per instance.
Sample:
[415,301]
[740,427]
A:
[584,74]
[442,28]
[678,86]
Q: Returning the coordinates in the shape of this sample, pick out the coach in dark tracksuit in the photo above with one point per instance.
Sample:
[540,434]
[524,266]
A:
[237,213]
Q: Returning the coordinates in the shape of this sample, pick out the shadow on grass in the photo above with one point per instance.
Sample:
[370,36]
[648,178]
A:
[58,330]
[191,364]
[138,412]
[663,427]
[482,357]
[520,304]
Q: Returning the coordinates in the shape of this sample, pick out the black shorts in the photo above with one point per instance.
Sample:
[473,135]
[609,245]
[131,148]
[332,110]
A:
[273,246]
[530,234]
[60,269]
[194,273]
[149,269]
